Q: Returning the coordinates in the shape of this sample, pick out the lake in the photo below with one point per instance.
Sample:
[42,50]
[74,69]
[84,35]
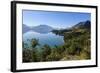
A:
[50,38]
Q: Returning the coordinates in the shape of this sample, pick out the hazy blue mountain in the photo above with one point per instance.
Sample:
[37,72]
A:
[25,28]
[42,29]
[47,29]
[85,24]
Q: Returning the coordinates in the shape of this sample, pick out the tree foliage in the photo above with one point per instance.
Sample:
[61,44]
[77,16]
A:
[76,47]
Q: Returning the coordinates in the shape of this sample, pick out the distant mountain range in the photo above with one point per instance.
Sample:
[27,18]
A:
[39,29]
[42,29]
[47,29]
[85,24]
[25,28]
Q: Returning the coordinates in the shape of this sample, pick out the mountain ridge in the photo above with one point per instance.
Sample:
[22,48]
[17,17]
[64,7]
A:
[46,29]
[39,28]
[25,28]
[84,24]
[42,29]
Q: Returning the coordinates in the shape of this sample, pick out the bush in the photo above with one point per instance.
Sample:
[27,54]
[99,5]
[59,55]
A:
[34,43]
[27,55]
[74,49]
[54,56]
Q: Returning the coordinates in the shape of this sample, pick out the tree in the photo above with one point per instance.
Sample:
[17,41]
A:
[46,50]
[34,43]
[54,56]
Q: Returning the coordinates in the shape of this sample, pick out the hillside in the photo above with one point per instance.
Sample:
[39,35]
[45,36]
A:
[77,42]
[77,46]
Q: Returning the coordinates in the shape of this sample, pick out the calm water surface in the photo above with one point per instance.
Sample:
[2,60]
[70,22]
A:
[50,39]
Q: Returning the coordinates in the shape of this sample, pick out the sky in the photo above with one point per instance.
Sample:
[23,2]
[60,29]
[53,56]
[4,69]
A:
[53,18]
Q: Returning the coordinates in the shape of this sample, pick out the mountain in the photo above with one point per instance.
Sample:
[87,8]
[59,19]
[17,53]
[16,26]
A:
[39,29]
[25,28]
[47,29]
[42,29]
[85,24]
[81,26]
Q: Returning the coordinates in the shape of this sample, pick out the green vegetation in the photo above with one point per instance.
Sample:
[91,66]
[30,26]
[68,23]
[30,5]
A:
[76,47]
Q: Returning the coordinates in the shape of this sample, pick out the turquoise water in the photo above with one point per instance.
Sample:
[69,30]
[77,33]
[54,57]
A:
[50,38]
